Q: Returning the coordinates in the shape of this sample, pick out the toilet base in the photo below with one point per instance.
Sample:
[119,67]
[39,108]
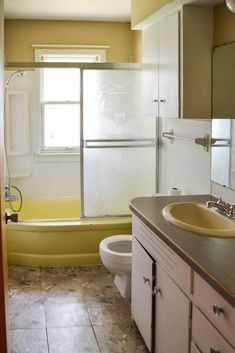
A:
[123,284]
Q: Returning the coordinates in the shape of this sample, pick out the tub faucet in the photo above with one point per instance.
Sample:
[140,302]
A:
[222,207]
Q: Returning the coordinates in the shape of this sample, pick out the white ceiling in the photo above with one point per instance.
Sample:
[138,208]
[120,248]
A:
[94,10]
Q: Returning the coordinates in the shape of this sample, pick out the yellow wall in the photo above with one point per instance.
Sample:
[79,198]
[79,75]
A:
[224,25]
[138,46]
[20,34]
[141,9]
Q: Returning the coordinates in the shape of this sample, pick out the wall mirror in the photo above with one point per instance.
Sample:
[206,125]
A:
[223,114]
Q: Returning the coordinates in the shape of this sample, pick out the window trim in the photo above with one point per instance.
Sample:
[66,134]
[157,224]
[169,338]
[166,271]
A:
[56,149]
[99,53]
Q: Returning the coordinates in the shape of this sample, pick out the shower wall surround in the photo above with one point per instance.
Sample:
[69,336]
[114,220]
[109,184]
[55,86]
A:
[184,164]
[40,175]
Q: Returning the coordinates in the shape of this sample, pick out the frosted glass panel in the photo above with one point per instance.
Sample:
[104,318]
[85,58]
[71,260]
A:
[114,176]
[113,106]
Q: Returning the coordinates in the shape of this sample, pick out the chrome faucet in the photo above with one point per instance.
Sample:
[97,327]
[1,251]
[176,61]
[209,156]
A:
[222,207]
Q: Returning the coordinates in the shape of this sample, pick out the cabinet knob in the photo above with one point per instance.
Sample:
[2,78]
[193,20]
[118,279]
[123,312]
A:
[213,350]
[146,280]
[162,100]
[217,310]
[155,100]
[156,290]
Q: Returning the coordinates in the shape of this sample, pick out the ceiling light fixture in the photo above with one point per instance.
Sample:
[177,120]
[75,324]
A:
[231,5]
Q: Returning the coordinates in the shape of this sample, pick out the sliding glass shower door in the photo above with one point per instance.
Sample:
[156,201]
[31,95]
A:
[119,142]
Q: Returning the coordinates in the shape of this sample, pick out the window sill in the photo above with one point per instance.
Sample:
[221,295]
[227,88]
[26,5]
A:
[53,157]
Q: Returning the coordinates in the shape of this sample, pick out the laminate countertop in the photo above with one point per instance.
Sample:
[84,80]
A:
[212,257]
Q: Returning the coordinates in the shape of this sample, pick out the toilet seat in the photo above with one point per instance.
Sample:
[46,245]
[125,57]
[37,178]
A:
[106,245]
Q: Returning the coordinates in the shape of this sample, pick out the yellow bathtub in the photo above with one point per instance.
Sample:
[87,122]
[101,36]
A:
[55,242]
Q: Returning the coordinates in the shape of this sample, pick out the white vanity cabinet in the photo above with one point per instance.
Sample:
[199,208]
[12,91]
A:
[168,323]
[175,309]
[172,316]
[142,284]
[213,323]
[177,50]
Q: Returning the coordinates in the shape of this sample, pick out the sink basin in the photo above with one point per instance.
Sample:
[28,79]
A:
[196,217]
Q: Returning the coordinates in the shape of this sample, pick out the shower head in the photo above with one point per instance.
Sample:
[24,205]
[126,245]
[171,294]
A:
[19,73]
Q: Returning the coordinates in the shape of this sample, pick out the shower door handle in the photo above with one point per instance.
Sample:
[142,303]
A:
[13,217]
[120,143]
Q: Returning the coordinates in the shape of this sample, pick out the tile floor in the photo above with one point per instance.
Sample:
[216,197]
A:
[69,310]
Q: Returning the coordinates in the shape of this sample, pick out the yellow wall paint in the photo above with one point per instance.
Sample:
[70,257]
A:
[224,25]
[140,9]
[138,46]
[20,34]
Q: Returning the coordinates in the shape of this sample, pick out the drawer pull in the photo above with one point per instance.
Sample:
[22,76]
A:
[217,310]
[212,350]
[146,280]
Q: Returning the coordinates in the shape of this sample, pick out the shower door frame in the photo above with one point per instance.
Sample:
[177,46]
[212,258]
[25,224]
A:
[95,66]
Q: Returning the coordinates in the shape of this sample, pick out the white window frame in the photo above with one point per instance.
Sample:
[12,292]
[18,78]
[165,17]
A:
[97,55]
[45,149]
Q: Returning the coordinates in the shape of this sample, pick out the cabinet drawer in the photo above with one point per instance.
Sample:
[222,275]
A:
[206,337]
[175,267]
[211,302]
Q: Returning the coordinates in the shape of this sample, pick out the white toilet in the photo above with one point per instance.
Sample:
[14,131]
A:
[116,255]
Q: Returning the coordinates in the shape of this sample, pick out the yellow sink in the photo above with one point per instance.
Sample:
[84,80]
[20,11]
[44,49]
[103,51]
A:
[196,217]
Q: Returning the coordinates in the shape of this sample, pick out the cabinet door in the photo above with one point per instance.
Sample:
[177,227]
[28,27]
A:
[194,349]
[172,316]
[141,302]
[150,71]
[169,67]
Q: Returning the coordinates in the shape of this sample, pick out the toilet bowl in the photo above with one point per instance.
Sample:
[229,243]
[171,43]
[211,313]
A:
[116,255]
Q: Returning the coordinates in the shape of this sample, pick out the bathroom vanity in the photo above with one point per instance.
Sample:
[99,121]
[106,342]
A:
[183,283]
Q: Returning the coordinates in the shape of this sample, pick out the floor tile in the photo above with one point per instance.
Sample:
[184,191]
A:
[26,314]
[73,298]
[114,311]
[36,296]
[119,339]
[24,277]
[28,341]
[65,312]
[72,340]
[63,289]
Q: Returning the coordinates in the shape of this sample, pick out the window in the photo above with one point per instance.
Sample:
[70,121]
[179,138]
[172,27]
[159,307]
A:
[60,98]
[60,109]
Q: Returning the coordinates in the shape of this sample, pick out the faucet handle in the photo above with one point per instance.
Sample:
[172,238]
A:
[217,197]
[231,211]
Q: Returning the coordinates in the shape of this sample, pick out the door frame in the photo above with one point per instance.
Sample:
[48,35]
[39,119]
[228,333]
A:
[3,250]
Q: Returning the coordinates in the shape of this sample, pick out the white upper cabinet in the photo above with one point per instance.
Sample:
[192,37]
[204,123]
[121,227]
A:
[150,71]
[177,51]
[168,66]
